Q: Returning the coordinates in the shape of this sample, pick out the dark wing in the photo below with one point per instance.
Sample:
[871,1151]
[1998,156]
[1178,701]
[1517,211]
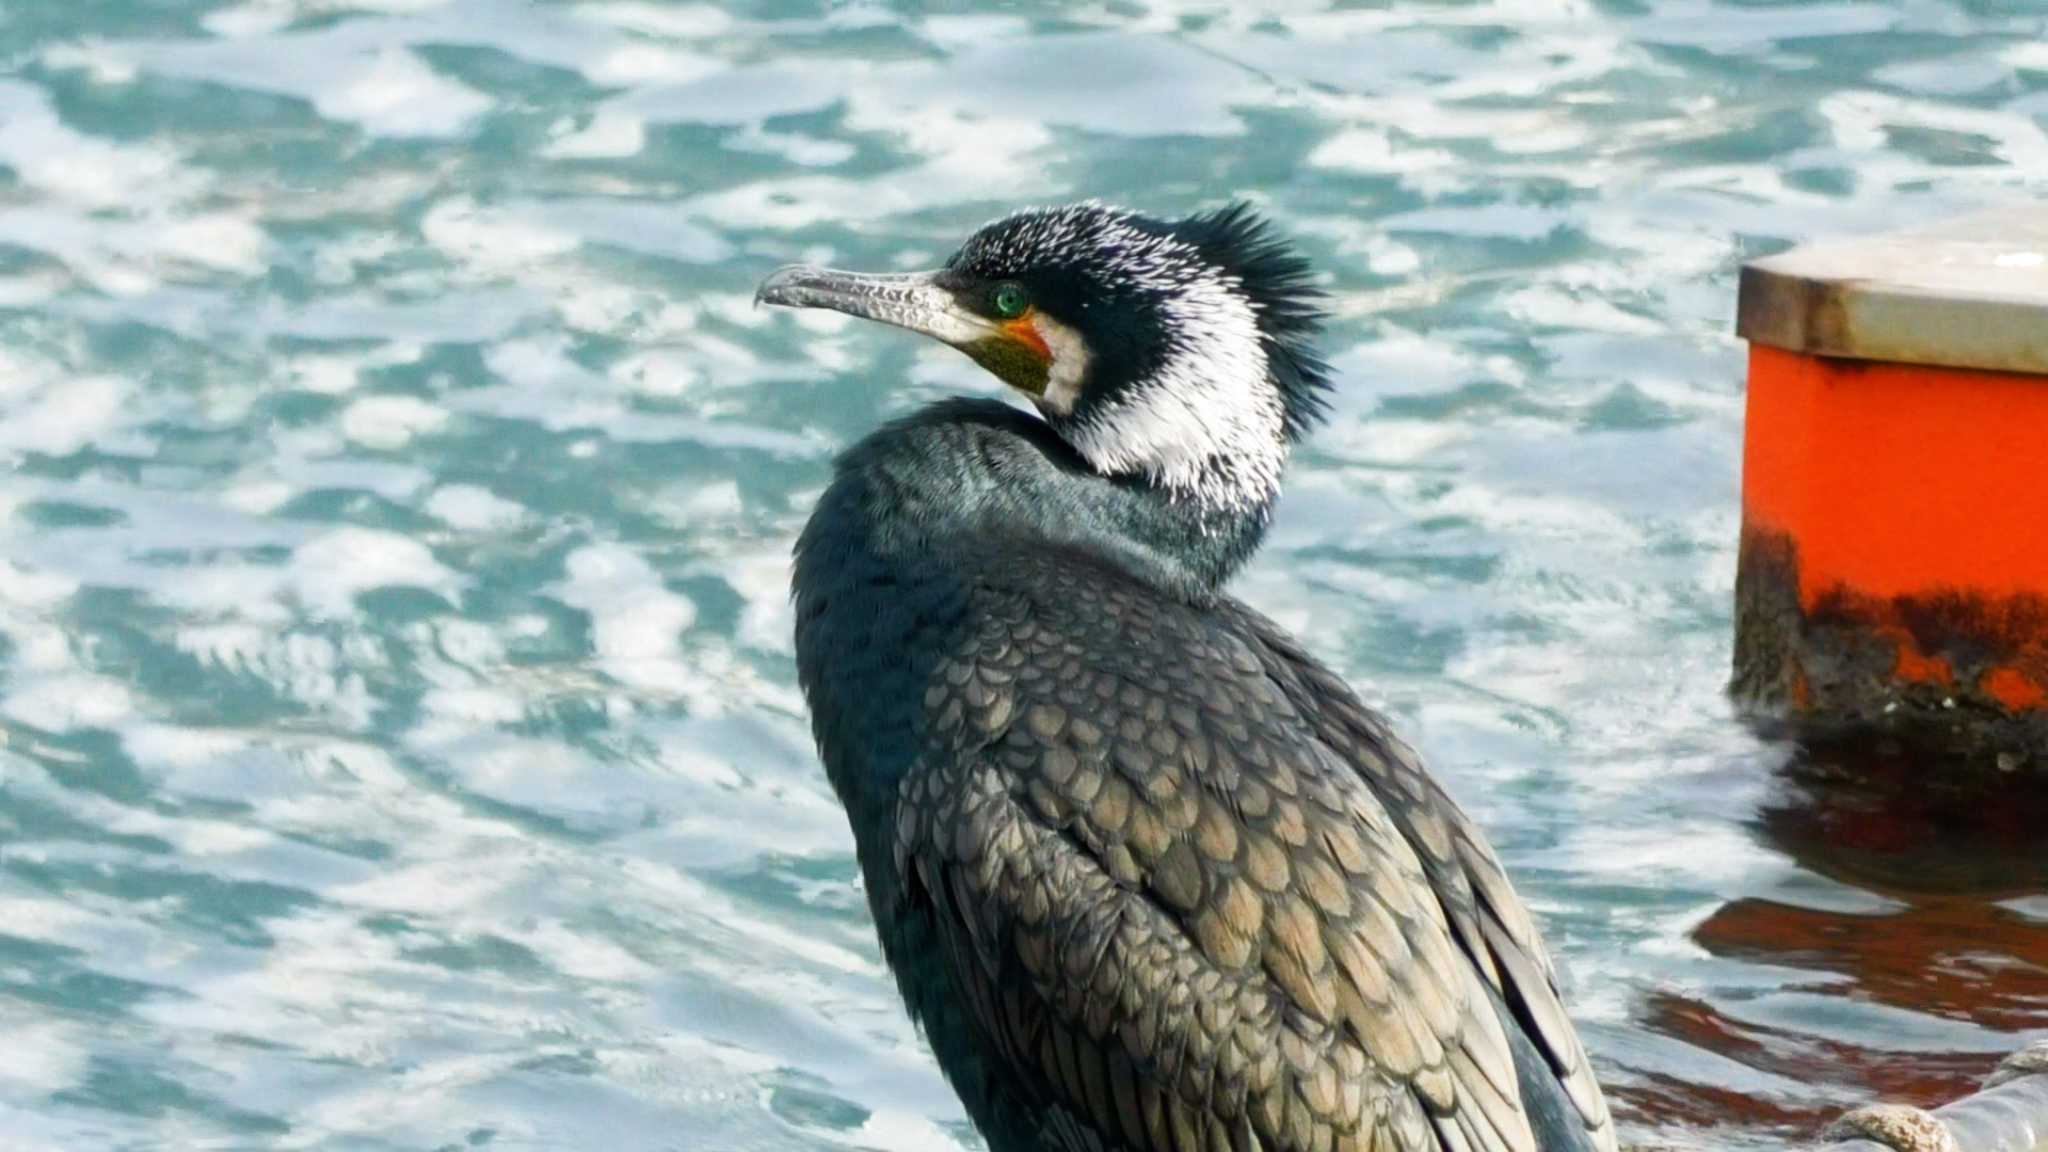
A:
[1180,919]
[1491,924]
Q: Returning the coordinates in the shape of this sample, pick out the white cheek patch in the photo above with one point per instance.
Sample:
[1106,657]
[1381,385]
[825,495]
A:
[1069,368]
[1209,422]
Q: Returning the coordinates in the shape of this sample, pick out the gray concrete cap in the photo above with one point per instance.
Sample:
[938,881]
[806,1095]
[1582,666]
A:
[1970,293]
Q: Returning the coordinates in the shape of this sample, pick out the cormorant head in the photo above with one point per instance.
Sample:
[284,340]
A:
[1178,351]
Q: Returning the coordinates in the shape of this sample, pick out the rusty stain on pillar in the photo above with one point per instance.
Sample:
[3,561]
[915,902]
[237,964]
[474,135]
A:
[1894,567]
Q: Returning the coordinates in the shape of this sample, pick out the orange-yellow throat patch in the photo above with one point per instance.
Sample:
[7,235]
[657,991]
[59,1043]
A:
[1024,330]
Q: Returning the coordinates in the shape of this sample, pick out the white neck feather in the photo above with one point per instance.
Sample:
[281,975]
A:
[1209,424]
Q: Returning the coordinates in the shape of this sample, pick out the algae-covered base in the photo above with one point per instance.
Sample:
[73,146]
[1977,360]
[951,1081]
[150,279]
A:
[1953,674]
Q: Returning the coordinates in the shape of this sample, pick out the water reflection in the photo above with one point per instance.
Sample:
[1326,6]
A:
[1952,872]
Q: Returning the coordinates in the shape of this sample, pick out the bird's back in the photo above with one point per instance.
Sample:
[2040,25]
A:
[1152,878]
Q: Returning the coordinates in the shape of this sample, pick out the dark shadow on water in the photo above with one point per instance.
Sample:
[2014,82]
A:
[1892,822]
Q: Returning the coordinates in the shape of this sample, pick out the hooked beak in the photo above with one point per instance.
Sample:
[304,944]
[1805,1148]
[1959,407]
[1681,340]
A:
[912,300]
[1013,350]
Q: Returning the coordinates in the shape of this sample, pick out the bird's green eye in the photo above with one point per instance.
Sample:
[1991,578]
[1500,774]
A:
[1010,300]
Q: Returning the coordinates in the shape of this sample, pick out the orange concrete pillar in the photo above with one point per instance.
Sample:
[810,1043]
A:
[1894,567]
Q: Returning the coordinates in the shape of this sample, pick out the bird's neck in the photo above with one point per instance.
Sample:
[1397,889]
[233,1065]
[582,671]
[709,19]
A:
[962,472]
[922,513]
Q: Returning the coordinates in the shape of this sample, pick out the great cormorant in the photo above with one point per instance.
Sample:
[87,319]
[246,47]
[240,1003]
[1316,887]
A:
[1149,875]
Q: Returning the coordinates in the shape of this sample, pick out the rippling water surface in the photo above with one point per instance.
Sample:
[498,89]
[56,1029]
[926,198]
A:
[401,745]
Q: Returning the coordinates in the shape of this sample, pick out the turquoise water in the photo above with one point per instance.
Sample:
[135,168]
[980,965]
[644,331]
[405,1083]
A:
[401,746]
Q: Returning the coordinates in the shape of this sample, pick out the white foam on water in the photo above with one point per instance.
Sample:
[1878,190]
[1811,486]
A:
[439,882]
[66,703]
[1493,220]
[964,153]
[1384,256]
[1734,30]
[638,63]
[1698,855]
[451,710]
[92,58]
[218,241]
[329,571]
[672,21]
[636,622]
[609,134]
[219,846]
[471,508]
[1948,76]
[741,96]
[666,372]
[343,260]
[1099,82]
[120,215]
[388,423]
[1373,150]
[252,593]
[31,288]
[1402,361]
[2027,56]
[893,1128]
[43,919]
[492,238]
[416,1106]
[42,1056]
[341,789]
[52,158]
[46,410]
[543,776]
[1862,123]
[740,932]
[808,151]
[584,955]
[761,577]
[48,687]
[1550,306]
[321,966]
[1384,440]
[702,506]
[347,72]
[472,646]
[258,17]
[27,590]
[544,228]
[307,669]
[542,385]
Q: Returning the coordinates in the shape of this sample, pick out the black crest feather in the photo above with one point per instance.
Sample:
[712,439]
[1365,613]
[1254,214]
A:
[1281,285]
